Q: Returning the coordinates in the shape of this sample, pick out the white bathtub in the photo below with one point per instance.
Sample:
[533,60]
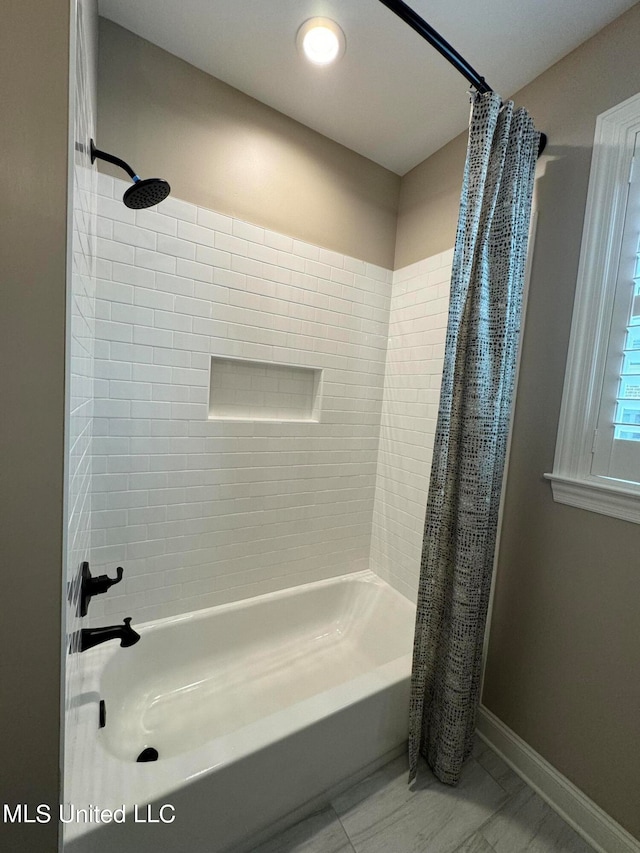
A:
[257,709]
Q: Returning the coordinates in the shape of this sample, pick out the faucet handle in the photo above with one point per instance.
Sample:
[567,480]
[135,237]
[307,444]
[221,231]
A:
[90,586]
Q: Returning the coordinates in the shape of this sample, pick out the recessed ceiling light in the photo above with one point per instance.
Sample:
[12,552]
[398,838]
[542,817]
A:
[321,40]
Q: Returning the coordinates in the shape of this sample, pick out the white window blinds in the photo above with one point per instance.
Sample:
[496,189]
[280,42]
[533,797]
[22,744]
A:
[616,447]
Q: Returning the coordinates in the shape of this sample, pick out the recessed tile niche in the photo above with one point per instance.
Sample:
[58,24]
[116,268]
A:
[241,390]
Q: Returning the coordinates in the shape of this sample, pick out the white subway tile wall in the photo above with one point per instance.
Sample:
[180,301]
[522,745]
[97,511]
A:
[415,354]
[81,342]
[201,511]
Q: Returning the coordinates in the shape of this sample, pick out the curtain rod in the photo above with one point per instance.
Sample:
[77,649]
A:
[410,17]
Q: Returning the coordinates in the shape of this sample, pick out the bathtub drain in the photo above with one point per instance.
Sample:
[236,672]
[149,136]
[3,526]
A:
[148,754]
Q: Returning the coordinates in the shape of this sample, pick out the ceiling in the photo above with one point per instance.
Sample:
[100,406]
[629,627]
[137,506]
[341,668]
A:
[392,97]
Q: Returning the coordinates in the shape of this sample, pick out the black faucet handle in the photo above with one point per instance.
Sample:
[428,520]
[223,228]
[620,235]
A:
[90,586]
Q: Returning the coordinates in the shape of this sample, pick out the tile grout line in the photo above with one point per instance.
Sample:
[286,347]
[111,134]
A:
[479,828]
[344,829]
[508,797]
[342,826]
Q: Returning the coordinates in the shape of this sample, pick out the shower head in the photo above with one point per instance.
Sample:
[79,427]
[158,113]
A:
[143,193]
[146,193]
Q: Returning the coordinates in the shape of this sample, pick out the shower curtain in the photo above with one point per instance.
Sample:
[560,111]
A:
[471,434]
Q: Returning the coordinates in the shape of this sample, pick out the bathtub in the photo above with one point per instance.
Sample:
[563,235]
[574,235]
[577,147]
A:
[259,710]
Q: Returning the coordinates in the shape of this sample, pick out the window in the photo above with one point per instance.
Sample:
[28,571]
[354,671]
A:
[597,462]
[616,452]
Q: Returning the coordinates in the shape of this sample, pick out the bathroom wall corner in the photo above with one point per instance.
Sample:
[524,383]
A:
[413,372]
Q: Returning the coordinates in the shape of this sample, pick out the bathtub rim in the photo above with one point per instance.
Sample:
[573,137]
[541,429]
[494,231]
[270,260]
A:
[363,576]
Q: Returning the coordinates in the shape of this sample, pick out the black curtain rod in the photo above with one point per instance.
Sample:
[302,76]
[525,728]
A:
[435,40]
[410,17]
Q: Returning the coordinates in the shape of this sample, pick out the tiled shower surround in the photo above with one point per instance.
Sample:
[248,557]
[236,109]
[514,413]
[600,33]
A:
[201,510]
[415,353]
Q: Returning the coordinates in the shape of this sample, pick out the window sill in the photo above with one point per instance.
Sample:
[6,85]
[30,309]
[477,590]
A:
[601,495]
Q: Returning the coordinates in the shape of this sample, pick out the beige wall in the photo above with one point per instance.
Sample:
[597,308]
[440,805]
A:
[224,150]
[34,50]
[564,656]
[428,204]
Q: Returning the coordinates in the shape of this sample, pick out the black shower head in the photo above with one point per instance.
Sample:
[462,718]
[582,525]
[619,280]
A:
[146,193]
[143,193]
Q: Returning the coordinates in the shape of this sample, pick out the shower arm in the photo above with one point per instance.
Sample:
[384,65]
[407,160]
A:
[410,17]
[102,155]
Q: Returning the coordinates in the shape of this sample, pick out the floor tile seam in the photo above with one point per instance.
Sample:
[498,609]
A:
[548,807]
[464,841]
[343,827]
[497,781]
[466,838]
[507,795]
[500,808]
[480,827]
[471,835]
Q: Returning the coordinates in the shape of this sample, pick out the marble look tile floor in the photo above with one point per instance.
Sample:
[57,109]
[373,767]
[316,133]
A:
[491,811]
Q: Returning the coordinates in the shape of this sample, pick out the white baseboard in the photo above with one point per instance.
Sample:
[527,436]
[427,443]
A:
[600,830]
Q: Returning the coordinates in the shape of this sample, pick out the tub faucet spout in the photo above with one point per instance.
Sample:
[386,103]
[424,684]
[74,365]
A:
[90,637]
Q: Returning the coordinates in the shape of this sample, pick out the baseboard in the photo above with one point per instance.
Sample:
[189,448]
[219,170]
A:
[317,803]
[600,830]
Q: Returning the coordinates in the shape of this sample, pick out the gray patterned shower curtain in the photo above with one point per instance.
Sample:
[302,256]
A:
[471,434]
